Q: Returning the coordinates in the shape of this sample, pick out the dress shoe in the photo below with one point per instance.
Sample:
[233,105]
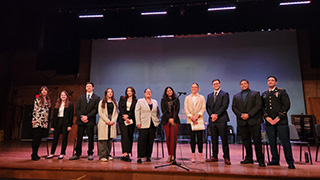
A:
[291,166]
[193,160]
[247,161]
[261,164]
[35,157]
[128,158]
[227,161]
[139,161]
[50,156]
[272,163]
[148,159]
[61,157]
[213,159]
[75,157]
[104,160]
[110,158]
[90,157]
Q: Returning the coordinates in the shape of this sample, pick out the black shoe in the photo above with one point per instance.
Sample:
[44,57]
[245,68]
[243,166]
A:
[261,164]
[139,161]
[291,166]
[35,158]
[148,159]
[75,157]
[128,158]
[246,161]
[123,158]
[272,163]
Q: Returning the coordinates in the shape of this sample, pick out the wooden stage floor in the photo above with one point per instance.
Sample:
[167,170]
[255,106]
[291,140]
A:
[15,163]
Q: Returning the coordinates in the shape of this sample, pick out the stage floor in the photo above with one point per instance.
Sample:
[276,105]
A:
[15,162]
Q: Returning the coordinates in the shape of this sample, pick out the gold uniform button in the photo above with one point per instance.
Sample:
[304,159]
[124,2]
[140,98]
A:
[270,107]
[270,104]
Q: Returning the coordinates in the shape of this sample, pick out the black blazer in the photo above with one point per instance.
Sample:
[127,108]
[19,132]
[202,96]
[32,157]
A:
[88,109]
[252,106]
[219,107]
[165,111]
[67,116]
[123,110]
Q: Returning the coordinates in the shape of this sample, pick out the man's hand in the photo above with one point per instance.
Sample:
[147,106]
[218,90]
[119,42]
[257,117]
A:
[244,116]
[269,120]
[84,119]
[214,117]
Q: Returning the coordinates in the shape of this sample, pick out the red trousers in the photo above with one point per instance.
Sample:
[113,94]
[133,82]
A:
[171,143]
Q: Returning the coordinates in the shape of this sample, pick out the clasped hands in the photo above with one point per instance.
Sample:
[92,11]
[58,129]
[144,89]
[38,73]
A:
[194,119]
[273,121]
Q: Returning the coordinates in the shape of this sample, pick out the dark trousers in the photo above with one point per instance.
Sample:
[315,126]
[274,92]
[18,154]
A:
[255,132]
[193,135]
[283,131]
[126,137]
[61,128]
[171,137]
[219,129]
[90,132]
[38,134]
[145,141]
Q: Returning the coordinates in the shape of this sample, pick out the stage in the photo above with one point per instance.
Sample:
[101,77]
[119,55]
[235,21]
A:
[15,163]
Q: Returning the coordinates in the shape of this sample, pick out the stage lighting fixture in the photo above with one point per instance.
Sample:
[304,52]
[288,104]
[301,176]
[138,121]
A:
[91,16]
[294,3]
[222,8]
[154,13]
[164,36]
[117,39]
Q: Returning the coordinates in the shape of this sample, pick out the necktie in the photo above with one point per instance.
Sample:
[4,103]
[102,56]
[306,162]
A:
[214,97]
[88,99]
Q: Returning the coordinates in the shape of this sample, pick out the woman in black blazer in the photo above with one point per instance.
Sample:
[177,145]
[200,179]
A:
[62,121]
[170,107]
[126,121]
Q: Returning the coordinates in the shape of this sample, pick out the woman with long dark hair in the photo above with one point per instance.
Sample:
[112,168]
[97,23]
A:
[107,130]
[127,121]
[170,107]
[40,119]
[62,121]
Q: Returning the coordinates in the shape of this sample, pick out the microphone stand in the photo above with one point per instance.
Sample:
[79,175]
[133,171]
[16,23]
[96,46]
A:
[174,162]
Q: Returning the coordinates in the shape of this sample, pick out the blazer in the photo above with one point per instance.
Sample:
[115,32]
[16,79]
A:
[67,116]
[252,106]
[103,127]
[219,107]
[123,110]
[199,108]
[144,114]
[165,111]
[88,109]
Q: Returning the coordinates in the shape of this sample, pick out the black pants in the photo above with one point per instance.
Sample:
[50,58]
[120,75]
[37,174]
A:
[90,133]
[255,132]
[199,135]
[61,128]
[126,137]
[38,134]
[145,141]
[219,129]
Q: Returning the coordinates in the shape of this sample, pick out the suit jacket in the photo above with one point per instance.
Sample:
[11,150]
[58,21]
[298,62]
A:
[174,111]
[67,116]
[276,104]
[219,107]
[199,108]
[252,106]
[88,109]
[103,127]
[123,110]
[144,115]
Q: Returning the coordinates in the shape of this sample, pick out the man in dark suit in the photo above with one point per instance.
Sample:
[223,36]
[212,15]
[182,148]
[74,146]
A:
[276,104]
[246,105]
[86,110]
[217,105]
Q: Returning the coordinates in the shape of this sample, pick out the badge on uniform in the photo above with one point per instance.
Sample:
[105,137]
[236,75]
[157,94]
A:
[277,94]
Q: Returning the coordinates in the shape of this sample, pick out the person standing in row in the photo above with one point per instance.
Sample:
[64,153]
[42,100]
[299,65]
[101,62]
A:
[217,105]
[62,121]
[246,105]
[195,107]
[147,119]
[40,119]
[276,104]
[170,107]
[107,130]
[127,121]
[86,111]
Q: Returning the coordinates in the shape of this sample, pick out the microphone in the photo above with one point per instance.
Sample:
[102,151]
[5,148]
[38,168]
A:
[184,93]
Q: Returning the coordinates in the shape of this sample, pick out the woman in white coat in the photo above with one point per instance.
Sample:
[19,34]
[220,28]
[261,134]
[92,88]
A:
[108,112]
[147,120]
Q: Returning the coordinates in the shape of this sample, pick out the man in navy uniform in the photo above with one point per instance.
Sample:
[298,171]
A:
[276,104]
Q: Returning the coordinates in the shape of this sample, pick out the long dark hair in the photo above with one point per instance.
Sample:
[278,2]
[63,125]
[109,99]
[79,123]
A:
[133,93]
[105,99]
[166,97]
[41,97]
[59,101]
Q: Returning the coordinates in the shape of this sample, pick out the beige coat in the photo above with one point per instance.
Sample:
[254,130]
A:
[143,113]
[104,120]
[199,108]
